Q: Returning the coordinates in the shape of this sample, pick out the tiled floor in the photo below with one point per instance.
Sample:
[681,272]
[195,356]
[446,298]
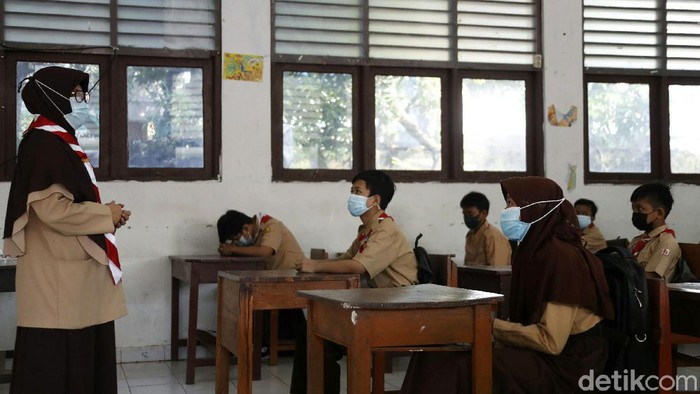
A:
[169,378]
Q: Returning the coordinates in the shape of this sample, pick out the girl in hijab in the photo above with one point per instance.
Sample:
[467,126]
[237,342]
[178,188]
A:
[69,289]
[559,296]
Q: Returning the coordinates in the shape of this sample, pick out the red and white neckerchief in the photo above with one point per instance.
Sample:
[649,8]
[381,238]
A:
[643,242]
[42,123]
[363,237]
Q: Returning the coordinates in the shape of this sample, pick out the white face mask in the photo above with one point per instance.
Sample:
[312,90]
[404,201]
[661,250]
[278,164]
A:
[80,113]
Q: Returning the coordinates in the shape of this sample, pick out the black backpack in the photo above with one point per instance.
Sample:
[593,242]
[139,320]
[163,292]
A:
[425,270]
[630,335]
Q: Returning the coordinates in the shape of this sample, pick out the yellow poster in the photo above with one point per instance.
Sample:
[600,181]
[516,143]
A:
[243,67]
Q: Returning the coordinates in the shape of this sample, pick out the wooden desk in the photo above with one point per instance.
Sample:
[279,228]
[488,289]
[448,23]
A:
[684,300]
[243,292]
[196,270]
[7,285]
[366,319]
[487,278]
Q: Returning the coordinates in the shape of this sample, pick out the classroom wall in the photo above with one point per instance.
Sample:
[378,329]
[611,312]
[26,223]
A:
[171,218]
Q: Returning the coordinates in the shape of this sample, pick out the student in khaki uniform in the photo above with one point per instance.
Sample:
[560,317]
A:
[380,252]
[485,244]
[262,236]
[591,236]
[558,298]
[656,249]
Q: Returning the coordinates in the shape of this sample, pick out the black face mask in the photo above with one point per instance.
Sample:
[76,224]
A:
[639,220]
[472,222]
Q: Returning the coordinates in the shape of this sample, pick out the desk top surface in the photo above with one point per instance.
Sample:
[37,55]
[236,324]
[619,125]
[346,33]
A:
[501,270]
[407,297]
[690,287]
[283,276]
[213,259]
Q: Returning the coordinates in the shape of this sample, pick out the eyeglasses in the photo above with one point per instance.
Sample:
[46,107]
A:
[81,96]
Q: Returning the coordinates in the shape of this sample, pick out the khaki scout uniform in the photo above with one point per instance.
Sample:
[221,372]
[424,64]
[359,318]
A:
[63,280]
[657,251]
[486,245]
[593,239]
[382,248]
[275,235]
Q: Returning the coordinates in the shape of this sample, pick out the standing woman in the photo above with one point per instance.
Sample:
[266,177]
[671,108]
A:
[69,289]
[558,297]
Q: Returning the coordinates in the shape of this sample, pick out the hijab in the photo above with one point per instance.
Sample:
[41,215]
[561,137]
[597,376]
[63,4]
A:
[44,159]
[551,264]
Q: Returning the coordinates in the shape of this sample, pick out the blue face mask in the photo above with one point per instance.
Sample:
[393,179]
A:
[357,205]
[515,229]
[80,114]
[583,221]
[244,241]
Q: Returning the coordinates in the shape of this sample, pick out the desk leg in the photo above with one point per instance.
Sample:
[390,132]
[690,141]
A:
[257,344]
[360,362]
[245,341]
[175,319]
[481,350]
[314,356]
[192,327]
[222,354]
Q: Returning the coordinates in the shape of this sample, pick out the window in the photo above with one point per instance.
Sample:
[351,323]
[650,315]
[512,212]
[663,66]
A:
[642,73]
[416,88]
[153,66]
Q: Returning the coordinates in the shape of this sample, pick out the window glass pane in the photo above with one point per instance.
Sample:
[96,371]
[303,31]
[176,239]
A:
[165,117]
[89,134]
[618,127]
[317,120]
[408,122]
[494,125]
[683,130]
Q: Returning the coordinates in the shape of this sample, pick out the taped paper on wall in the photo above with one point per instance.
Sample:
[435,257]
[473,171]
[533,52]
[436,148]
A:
[571,178]
[243,67]
[556,118]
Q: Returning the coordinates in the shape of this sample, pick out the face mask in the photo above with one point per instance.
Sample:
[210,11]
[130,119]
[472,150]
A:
[79,115]
[471,222]
[583,221]
[357,205]
[639,220]
[244,241]
[515,229]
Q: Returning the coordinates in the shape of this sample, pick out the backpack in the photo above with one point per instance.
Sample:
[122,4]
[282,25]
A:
[682,273]
[630,336]
[425,270]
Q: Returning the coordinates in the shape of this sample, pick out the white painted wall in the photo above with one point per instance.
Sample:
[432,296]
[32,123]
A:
[172,218]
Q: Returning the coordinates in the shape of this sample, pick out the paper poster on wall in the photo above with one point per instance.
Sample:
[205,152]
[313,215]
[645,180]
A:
[557,118]
[571,178]
[243,67]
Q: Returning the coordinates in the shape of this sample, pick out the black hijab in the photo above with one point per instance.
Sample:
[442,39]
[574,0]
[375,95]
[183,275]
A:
[44,159]
[551,264]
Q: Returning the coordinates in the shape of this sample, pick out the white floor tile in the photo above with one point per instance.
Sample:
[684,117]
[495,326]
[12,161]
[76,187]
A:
[173,388]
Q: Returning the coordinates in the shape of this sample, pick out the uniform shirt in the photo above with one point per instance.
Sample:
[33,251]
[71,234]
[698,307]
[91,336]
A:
[657,251]
[275,235]
[62,276]
[593,239]
[486,246]
[550,334]
[385,253]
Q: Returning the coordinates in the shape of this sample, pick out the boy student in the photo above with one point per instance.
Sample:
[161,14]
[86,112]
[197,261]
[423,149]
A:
[485,244]
[591,236]
[261,235]
[656,249]
[380,252]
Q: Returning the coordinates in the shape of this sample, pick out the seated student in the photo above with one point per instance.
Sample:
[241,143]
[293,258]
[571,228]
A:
[261,235]
[380,252]
[485,244]
[656,249]
[559,295]
[591,236]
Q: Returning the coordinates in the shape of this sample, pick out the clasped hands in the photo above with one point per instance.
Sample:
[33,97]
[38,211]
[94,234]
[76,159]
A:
[119,215]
